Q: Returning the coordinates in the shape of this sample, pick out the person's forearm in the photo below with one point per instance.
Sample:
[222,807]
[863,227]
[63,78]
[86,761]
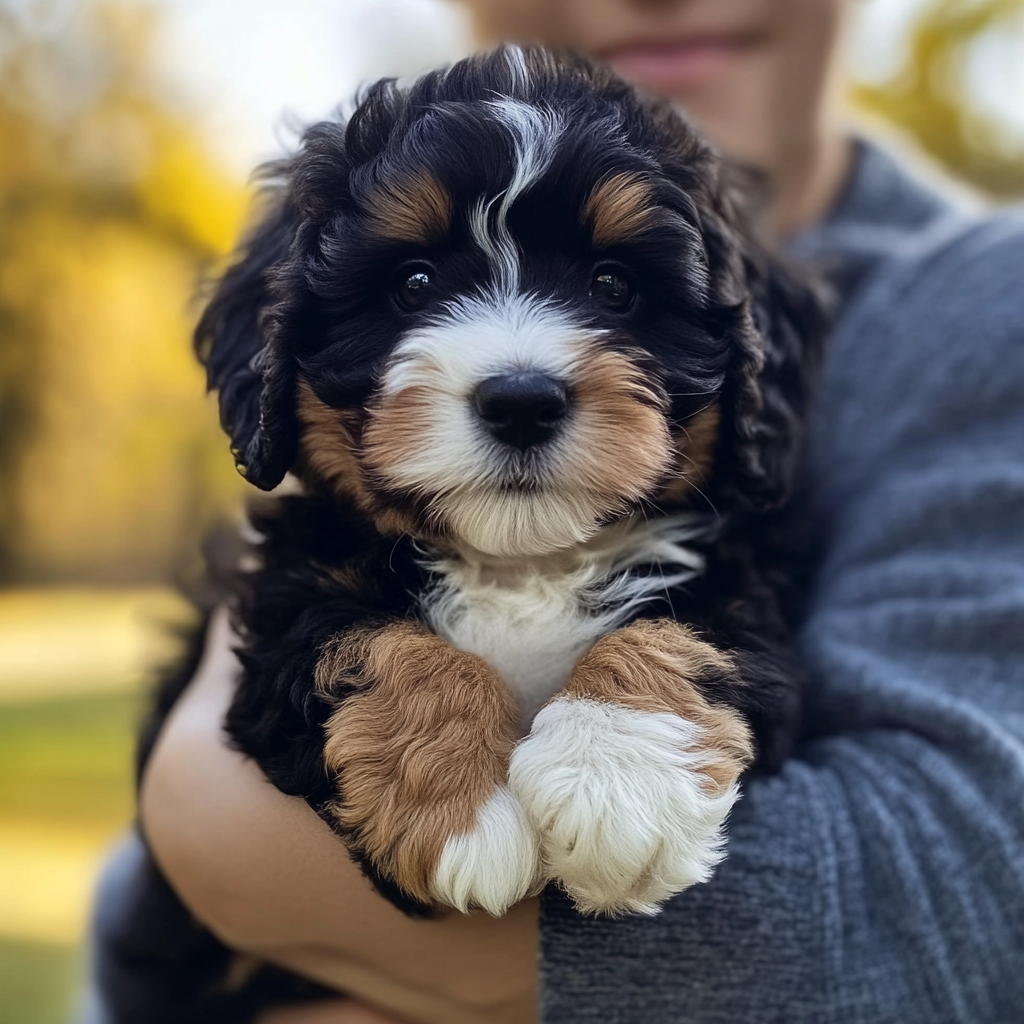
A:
[268,876]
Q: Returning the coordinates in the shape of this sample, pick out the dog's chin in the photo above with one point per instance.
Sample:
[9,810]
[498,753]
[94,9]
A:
[514,523]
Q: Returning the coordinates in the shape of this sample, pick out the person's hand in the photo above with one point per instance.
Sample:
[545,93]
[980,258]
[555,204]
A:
[269,878]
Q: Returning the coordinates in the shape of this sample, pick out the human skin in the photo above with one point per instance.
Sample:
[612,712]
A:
[258,867]
[270,878]
[760,77]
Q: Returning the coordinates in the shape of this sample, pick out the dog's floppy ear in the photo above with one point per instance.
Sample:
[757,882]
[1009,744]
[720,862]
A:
[238,341]
[782,317]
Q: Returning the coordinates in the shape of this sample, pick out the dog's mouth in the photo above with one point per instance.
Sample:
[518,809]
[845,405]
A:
[524,472]
[514,521]
[523,484]
[530,503]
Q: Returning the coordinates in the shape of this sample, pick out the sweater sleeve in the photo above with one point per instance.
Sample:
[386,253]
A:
[879,878]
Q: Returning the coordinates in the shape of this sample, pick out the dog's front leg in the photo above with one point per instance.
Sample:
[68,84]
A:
[629,773]
[420,743]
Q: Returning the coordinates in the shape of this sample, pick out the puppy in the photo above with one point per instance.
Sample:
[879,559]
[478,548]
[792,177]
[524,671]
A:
[530,391]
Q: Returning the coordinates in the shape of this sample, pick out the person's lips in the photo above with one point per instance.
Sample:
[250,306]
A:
[667,65]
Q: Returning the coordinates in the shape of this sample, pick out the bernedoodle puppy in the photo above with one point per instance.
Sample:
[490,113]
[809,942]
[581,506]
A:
[530,391]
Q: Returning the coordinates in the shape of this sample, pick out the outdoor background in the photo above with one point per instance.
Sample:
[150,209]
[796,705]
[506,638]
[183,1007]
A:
[127,130]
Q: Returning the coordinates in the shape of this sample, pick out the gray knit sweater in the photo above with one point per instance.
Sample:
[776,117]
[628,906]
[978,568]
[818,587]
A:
[880,876]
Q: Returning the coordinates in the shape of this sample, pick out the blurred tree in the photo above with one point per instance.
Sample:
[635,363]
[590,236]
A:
[931,96]
[109,453]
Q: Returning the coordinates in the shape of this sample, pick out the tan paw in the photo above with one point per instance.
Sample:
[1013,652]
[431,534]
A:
[421,754]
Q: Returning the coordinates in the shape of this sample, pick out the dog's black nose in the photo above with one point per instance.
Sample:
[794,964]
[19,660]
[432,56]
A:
[522,408]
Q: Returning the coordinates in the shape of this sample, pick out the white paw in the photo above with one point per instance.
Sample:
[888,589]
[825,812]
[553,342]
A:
[622,808]
[495,864]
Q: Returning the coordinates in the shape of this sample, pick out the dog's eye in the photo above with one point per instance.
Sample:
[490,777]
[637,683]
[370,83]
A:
[415,287]
[612,289]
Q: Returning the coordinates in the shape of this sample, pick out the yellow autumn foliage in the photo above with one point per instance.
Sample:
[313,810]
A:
[929,95]
[109,208]
[127,449]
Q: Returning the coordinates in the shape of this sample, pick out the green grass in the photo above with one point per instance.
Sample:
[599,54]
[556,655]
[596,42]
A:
[68,761]
[63,762]
[39,983]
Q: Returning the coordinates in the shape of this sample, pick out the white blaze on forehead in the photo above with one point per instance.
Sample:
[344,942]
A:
[516,61]
[479,336]
[535,131]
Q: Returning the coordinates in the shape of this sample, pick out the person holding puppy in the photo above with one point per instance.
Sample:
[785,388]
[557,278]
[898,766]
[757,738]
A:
[878,876]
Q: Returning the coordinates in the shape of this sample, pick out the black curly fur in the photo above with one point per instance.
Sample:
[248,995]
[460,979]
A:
[308,297]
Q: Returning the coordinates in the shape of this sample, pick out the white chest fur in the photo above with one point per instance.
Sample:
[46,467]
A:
[533,619]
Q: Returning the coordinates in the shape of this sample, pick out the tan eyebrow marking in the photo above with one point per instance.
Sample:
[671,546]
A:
[619,208]
[695,441]
[417,209]
[328,452]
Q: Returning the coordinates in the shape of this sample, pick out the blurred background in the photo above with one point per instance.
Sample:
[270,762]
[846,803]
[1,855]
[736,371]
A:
[127,131]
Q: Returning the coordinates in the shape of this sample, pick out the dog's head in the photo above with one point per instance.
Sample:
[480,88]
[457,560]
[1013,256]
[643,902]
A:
[506,305]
